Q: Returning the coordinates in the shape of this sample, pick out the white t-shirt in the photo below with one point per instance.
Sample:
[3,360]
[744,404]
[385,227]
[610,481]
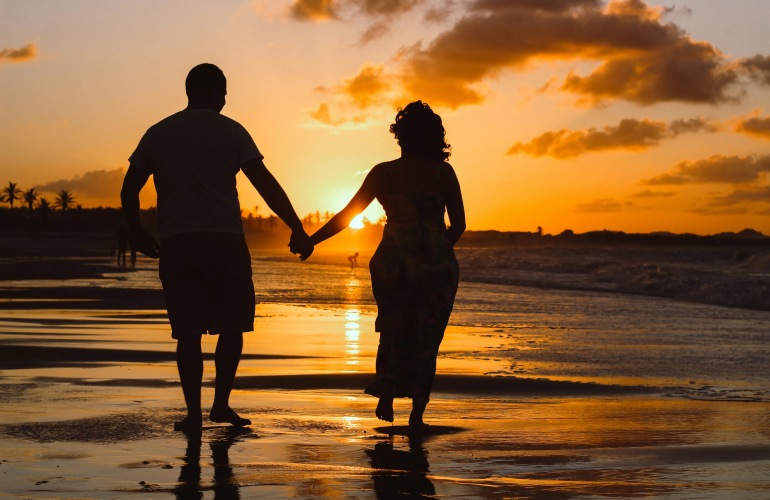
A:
[194,156]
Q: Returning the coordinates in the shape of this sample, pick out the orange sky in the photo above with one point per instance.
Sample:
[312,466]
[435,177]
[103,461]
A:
[578,114]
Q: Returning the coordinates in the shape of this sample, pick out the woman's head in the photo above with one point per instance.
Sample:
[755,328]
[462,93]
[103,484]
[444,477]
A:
[419,131]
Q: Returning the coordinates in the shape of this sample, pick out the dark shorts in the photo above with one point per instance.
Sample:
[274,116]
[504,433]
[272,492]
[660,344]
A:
[207,283]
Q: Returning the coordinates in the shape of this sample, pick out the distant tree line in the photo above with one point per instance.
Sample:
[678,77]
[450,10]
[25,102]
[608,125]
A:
[606,238]
[12,193]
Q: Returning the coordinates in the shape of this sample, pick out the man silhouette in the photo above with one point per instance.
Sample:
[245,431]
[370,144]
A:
[205,266]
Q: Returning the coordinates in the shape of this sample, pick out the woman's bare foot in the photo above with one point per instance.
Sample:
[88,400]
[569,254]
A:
[229,416]
[384,410]
[189,424]
[416,424]
[418,428]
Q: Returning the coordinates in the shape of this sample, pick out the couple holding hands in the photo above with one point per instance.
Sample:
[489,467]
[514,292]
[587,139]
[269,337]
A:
[205,265]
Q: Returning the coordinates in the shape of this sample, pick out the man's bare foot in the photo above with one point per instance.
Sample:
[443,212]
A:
[189,424]
[384,410]
[229,416]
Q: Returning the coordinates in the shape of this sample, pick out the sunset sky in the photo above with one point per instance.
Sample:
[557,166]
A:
[579,114]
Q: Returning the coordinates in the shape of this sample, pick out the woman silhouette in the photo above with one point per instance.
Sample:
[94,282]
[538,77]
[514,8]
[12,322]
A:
[414,270]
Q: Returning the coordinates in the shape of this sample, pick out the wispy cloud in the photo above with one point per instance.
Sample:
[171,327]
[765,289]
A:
[718,211]
[761,195]
[716,169]
[603,205]
[20,54]
[629,134]
[653,194]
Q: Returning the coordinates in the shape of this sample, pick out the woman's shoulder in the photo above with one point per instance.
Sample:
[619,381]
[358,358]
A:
[381,169]
[446,169]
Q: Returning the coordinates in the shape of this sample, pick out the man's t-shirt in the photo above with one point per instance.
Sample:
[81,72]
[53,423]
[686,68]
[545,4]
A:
[194,156]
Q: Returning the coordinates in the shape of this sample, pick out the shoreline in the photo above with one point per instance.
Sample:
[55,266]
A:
[713,277]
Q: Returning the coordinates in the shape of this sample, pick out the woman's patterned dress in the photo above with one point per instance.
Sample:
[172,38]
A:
[414,279]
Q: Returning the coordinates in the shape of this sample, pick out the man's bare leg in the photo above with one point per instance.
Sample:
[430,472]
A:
[189,362]
[226,359]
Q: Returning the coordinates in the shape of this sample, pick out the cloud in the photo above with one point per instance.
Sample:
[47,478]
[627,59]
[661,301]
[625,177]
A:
[371,88]
[719,211]
[636,53]
[21,54]
[629,134]
[601,206]
[756,126]
[97,188]
[641,58]
[366,88]
[653,194]
[716,169]
[337,10]
[761,195]
[314,10]
[323,116]
[758,68]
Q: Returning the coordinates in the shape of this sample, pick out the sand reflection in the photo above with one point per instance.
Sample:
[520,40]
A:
[224,484]
[397,471]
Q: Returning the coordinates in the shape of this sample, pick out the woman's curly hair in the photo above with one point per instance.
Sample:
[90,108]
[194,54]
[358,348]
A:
[419,131]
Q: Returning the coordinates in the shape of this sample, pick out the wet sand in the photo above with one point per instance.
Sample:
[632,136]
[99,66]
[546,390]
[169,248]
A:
[89,393]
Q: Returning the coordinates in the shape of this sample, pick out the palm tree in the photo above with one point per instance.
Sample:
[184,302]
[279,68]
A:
[30,197]
[11,193]
[64,200]
[43,206]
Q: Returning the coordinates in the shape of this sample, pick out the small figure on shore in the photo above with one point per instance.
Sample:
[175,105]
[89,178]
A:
[353,259]
[122,242]
[414,270]
[205,266]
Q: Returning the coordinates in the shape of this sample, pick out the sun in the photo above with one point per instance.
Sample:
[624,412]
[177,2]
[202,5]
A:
[357,222]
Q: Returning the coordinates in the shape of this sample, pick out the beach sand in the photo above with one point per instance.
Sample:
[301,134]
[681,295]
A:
[89,393]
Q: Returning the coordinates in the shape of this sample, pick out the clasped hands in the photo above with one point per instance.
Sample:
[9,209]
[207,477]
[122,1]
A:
[300,243]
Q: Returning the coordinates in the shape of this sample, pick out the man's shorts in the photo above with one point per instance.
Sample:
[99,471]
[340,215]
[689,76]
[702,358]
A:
[207,283]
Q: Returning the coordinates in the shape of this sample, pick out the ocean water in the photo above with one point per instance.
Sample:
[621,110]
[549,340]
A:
[686,349]
[690,350]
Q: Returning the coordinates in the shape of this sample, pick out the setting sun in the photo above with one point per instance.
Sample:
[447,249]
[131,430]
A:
[357,222]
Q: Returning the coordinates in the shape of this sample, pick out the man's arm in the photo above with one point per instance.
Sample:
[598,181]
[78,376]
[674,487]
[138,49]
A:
[129,196]
[275,197]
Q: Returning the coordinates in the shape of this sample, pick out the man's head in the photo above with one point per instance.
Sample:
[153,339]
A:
[206,87]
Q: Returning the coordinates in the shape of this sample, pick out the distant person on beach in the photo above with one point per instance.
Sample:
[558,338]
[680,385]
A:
[132,249]
[353,259]
[122,240]
[205,266]
[414,270]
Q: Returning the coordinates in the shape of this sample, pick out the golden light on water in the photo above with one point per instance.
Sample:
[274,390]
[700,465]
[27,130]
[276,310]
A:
[352,335]
[357,222]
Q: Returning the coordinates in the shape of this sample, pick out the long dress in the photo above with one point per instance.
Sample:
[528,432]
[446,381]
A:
[414,280]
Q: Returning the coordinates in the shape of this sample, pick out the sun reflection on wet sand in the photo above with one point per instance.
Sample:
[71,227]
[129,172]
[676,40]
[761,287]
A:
[352,336]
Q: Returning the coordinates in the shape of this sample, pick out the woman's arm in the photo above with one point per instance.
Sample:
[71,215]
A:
[365,195]
[454,206]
